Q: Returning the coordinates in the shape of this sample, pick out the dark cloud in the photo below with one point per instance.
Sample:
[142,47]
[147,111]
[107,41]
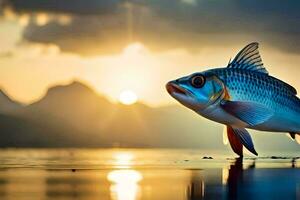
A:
[100,26]
[64,6]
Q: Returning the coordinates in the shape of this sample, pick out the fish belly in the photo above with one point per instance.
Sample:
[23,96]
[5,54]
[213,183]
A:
[281,122]
[271,93]
[217,114]
[248,86]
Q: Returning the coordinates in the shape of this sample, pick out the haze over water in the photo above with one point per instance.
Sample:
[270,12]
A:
[132,174]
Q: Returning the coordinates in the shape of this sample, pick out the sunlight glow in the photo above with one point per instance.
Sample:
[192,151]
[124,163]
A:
[128,97]
[24,20]
[124,184]
[225,138]
[123,159]
[134,49]
[297,138]
[42,19]
[124,176]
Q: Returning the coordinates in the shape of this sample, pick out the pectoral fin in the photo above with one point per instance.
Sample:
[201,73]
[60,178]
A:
[248,112]
[234,141]
[239,137]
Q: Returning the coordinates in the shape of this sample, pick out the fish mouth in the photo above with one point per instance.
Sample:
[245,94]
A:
[173,88]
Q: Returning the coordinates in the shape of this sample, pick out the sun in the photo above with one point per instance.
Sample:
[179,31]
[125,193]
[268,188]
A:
[128,97]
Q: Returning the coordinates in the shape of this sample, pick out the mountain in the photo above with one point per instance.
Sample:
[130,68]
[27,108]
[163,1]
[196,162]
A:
[75,116]
[7,105]
[74,105]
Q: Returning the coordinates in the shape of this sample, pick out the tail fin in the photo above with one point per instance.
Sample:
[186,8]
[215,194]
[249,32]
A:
[295,137]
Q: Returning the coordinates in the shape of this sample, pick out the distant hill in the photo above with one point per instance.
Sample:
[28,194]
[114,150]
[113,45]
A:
[7,105]
[75,116]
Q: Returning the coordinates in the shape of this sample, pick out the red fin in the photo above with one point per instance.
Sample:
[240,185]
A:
[234,141]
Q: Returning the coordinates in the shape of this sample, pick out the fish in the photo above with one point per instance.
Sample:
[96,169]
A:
[241,95]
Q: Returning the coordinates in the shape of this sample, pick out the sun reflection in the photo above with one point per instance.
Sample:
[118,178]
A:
[225,175]
[125,184]
[123,159]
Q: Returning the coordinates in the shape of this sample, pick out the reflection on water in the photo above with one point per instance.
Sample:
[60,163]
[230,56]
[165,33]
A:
[143,175]
[196,188]
[123,159]
[225,175]
[235,178]
[124,184]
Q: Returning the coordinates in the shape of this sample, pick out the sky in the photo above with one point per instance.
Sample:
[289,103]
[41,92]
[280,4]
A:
[138,45]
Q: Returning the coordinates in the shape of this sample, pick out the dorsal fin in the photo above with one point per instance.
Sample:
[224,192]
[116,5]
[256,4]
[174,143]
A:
[249,59]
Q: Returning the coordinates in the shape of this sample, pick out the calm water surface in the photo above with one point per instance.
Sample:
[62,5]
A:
[132,174]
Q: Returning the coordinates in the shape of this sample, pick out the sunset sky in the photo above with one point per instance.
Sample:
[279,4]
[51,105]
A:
[138,45]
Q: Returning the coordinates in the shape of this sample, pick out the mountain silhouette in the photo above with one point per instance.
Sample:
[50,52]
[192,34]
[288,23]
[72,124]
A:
[7,105]
[74,115]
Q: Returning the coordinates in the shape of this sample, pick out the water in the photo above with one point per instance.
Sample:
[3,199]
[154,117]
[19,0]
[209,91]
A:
[133,174]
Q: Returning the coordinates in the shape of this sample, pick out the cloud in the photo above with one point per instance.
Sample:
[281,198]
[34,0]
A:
[105,27]
[190,2]
[64,6]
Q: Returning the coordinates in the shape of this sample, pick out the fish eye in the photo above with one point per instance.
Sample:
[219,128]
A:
[198,81]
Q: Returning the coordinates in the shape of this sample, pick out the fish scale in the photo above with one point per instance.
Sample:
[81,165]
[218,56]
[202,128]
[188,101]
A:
[245,85]
[241,95]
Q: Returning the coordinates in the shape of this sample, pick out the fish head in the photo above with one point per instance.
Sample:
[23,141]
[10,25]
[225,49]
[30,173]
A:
[197,91]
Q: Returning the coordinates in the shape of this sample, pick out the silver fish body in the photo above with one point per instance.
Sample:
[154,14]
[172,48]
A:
[249,86]
[241,95]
